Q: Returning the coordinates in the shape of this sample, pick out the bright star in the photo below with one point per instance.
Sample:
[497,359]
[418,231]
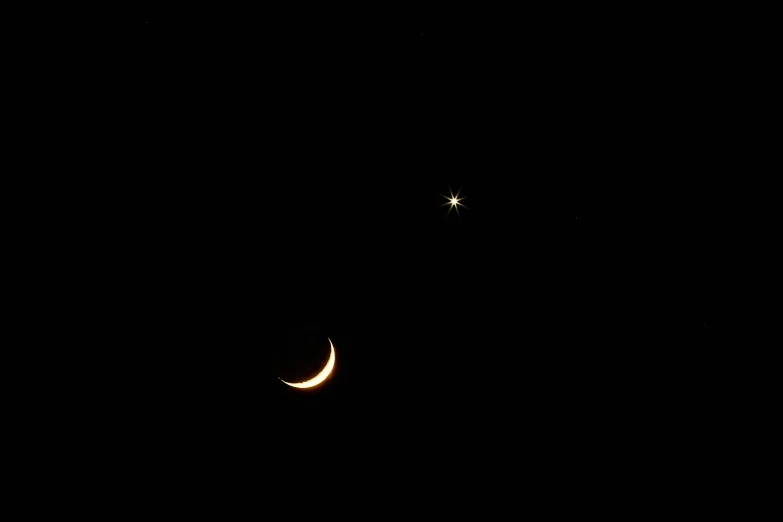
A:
[453,201]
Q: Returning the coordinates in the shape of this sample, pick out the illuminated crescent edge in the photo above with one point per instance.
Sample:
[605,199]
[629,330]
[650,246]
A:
[318,379]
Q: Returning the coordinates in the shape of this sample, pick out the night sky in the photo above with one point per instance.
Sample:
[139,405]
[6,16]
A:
[268,194]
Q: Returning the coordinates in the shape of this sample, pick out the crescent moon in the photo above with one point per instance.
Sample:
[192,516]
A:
[318,379]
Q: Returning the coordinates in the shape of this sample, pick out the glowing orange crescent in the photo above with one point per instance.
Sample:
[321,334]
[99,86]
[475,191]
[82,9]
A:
[318,379]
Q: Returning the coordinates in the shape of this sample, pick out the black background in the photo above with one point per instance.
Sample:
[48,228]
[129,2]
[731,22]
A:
[240,196]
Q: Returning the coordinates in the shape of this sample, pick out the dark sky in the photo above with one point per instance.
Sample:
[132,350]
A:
[271,193]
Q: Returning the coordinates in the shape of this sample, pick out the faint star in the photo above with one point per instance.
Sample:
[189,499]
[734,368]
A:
[453,201]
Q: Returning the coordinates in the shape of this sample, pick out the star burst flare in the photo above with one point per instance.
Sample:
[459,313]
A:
[454,201]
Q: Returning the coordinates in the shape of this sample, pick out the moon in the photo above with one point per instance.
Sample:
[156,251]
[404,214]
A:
[318,379]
